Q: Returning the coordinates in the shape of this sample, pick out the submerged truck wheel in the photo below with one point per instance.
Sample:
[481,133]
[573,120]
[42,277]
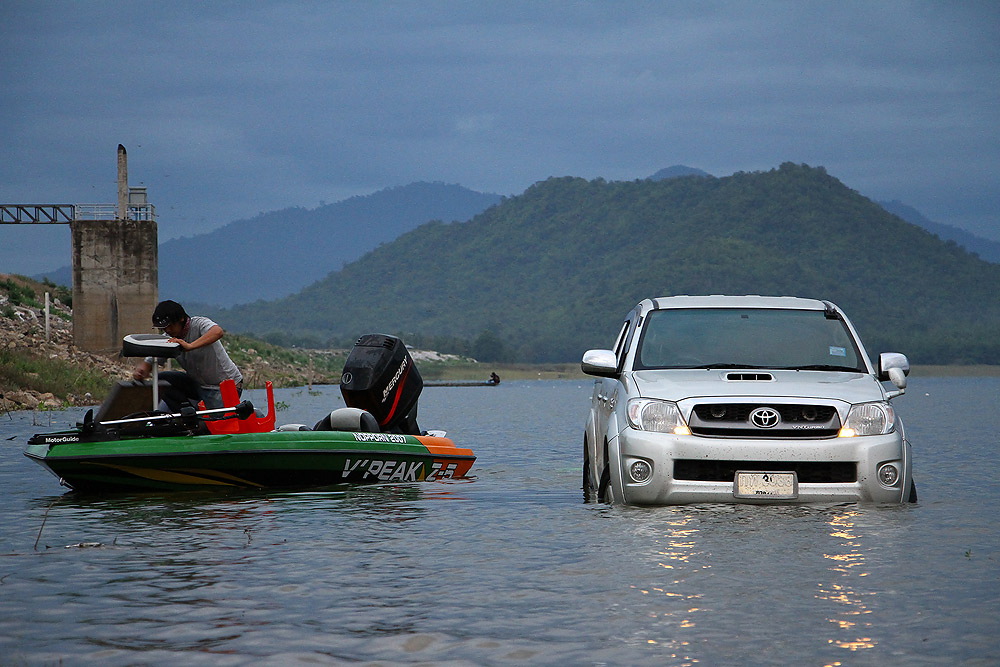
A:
[604,494]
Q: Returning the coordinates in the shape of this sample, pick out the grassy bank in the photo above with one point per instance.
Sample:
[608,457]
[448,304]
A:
[570,371]
[976,370]
[71,382]
[61,378]
[261,362]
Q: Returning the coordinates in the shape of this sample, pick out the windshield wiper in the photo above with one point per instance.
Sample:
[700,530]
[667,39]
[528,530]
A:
[820,367]
[722,365]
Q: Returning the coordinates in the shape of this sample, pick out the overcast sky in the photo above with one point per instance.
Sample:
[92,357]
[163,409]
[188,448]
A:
[228,109]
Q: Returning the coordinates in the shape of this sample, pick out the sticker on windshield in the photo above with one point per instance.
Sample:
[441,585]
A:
[838,351]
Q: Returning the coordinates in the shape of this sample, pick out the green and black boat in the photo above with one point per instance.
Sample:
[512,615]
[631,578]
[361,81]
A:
[374,440]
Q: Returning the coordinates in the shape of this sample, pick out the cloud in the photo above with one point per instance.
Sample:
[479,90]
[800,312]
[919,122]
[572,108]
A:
[229,109]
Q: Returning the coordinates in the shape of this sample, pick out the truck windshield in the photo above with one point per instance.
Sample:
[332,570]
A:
[746,338]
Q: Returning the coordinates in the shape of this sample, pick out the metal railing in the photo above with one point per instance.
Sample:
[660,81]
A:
[95,212]
[141,212]
[58,214]
[36,213]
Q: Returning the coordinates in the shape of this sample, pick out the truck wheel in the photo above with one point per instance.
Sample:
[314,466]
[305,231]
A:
[913,492]
[604,493]
[604,488]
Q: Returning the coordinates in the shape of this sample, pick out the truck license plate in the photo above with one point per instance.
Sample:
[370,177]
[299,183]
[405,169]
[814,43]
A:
[771,485]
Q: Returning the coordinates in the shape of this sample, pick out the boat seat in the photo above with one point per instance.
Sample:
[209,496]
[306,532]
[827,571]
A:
[256,424]
[348,419]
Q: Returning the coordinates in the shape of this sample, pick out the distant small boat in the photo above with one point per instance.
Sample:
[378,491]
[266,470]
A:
[492,382]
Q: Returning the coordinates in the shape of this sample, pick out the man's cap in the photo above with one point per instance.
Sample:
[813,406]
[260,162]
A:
[168,312]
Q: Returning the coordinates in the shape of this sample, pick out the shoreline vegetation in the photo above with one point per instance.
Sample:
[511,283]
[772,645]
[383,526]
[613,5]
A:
[549,311]
[39,373]
[42,370]
[973,370]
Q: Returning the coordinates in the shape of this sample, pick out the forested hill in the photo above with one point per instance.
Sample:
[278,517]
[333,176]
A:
[985,248]
[551,272]
[280,252]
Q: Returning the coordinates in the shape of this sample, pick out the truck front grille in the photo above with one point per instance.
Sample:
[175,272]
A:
[733,420]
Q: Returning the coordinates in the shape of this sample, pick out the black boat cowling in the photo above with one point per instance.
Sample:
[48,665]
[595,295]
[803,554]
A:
[380,377]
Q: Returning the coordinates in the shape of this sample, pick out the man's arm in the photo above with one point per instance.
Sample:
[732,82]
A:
[213,334]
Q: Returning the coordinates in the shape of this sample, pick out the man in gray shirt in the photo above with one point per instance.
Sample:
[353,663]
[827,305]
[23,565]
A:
[204,359]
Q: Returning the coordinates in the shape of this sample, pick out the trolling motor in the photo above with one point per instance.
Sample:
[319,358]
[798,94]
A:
[151,425]
[242,411]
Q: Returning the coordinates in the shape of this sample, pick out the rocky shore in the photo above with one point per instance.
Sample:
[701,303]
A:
[22,330]
[23,333]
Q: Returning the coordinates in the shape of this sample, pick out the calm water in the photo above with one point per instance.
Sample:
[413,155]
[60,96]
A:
[511,566]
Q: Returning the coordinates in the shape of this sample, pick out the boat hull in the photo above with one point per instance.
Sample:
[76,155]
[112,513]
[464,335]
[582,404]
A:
[275,459]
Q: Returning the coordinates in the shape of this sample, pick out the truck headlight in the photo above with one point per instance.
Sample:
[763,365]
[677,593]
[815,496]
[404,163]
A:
[869,419]
[647,414]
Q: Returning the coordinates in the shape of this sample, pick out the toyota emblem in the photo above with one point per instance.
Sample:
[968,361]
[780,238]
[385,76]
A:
[765,418]
[346,378]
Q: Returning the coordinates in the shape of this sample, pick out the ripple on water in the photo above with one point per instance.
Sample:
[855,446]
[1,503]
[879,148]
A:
[510,566]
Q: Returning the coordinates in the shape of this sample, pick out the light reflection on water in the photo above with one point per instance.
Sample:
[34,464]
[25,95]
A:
[848,557]
[509,566]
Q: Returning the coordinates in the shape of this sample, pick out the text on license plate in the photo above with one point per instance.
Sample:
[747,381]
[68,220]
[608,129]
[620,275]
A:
[766,485]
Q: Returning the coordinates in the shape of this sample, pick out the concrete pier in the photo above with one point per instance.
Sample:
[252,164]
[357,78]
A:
[115,273]
[114,281]
[115,270]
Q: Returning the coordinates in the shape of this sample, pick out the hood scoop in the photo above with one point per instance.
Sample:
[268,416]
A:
[749,377]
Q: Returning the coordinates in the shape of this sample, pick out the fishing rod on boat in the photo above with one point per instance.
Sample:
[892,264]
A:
[242,411]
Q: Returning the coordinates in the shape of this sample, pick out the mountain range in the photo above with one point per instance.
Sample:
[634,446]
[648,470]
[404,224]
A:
[546,274]
[277,253]
[288,256]
[986,249]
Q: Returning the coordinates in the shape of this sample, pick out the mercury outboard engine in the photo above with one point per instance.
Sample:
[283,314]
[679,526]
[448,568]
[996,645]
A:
[380,377]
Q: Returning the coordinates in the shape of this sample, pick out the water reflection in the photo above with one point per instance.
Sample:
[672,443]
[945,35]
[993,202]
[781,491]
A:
[508,569]
[216,516]
[703,568]
[849,561]
[213,574]
[672,604]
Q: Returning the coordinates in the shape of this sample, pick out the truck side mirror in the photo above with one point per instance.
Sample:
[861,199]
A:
[601,363]
[890,360]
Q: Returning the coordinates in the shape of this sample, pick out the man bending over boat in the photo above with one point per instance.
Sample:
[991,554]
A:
[205,361]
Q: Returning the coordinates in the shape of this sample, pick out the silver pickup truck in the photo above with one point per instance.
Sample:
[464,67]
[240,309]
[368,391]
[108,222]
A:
[746,399]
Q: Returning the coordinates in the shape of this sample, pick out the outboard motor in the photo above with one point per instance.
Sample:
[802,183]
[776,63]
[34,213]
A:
[380,377]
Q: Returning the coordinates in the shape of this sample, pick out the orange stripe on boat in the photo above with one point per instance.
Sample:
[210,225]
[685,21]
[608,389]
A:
[442,446]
